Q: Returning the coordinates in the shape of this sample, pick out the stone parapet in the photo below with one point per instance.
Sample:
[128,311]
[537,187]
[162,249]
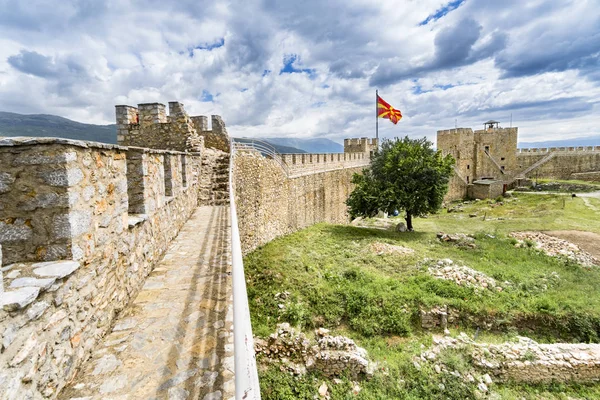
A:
[362,145]
[537,150]
[303,163]
[149,126]
[271,204]
[82,225]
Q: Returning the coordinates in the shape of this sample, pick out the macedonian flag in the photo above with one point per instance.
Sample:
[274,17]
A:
[384,110]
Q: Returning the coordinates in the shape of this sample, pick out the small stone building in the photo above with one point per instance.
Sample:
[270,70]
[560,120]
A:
[486,189]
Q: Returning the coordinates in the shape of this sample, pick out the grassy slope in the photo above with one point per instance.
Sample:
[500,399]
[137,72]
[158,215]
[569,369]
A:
[335,281]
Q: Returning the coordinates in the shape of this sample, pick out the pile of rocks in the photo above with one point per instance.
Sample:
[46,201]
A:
[331,355]
[556,247]
[460,239]
[385,248]
[522,361]
[462,275]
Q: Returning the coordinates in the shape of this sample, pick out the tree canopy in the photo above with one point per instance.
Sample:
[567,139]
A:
[406,175]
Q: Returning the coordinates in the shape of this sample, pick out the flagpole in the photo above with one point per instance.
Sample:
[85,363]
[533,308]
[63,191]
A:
[376,118]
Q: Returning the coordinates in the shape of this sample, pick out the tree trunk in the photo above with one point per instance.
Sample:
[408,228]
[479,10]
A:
[408,219]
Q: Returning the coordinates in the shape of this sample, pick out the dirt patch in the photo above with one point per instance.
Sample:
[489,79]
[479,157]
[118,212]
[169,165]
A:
[587,241]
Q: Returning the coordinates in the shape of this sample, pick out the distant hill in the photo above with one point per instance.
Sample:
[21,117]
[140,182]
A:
[313,145]
[588,141]
[279,148]
[12,124]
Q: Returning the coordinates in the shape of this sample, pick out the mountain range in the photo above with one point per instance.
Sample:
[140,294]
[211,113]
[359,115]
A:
[588,141]
[12,124]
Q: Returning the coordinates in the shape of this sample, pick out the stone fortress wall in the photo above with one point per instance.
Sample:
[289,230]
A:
[492,154]
[274,200]
[148,125]
[561,162]
[304,163]
[82,224]
[271,204]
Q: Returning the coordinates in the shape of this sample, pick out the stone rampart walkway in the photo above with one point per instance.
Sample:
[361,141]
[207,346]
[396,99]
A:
[175,341]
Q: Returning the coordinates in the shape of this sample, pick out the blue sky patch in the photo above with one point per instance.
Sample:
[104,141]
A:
[444,87]
[289,68]
[206,96]
[207,46]
[453,5]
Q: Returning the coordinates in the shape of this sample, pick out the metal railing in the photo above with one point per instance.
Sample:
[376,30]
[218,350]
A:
[264,148]
[293,170]
[246,374]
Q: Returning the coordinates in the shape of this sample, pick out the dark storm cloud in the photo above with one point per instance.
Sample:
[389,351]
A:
[553,53]
[33,63]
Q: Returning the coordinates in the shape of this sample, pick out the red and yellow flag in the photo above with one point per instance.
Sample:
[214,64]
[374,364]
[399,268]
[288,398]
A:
[384,110]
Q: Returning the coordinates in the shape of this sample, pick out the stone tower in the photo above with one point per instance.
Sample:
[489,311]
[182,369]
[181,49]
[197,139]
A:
[362,145]
[489,153]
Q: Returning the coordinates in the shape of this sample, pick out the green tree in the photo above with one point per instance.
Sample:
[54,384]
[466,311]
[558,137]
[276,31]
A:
[406,175]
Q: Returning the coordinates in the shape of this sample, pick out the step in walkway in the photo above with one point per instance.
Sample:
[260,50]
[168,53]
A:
[175,341]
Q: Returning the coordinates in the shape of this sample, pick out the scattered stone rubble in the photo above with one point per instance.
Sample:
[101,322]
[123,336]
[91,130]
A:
[462,275]
[521,361]
[460,239]
[331,355]
[385,248]
[556,247]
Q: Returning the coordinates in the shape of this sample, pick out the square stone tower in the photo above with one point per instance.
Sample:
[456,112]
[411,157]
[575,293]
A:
[489,153]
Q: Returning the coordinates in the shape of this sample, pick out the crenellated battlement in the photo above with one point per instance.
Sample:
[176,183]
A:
[456,131]
[303,163]
[360,145]
[538,150]
[148,125]
[84,215]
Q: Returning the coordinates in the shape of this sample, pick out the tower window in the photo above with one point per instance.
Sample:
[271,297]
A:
[468,166]
[487,148]
[467,179]
[502,168]
[502,159]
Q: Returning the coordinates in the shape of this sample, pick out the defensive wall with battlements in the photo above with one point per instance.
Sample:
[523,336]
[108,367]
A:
[82,224]
[492,154]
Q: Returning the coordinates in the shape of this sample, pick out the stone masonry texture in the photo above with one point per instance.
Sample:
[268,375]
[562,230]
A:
[492,154]
[271,204]
[175,340]
[83,224]
[69,202]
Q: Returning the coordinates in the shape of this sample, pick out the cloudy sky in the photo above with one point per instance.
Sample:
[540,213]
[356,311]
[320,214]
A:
[310,68]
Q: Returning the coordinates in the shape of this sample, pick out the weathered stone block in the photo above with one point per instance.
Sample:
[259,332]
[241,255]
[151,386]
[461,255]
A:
[18,230]
[19,298]
[57,269]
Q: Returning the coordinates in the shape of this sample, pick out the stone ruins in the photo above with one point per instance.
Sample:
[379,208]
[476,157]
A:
[116,260]
[104,247]
[488,161]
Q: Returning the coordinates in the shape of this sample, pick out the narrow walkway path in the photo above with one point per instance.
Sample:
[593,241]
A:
[175,341]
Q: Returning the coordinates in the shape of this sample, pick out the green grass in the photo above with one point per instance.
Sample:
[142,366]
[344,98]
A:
[522,212]
[337,282]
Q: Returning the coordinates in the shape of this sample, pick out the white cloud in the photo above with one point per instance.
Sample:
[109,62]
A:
[537,60]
